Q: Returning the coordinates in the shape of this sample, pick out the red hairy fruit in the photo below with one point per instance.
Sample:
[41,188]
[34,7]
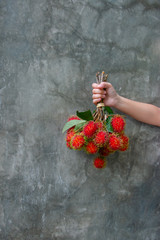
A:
[90,129]
[99,162]
[101,138]
[68,145]
[124,142]
[69,136]
[118,123]
[73,117]
[99,125]
[91,148]
[114,142]
[77,141]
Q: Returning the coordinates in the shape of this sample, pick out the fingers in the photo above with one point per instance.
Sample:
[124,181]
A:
[95,101]
[99,91]
[101,85]
[98,95]
[95,85]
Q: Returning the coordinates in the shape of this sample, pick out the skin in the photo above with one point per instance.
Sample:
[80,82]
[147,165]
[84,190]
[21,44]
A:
[143,112]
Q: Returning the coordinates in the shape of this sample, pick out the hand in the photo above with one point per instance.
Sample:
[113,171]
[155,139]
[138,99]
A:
[106,92]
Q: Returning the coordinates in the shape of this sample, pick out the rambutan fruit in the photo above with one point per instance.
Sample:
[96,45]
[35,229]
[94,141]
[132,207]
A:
[77,142]
[91,148]
[85,138]
[99,162]
[73,117]
[68,145]
[69,136]
[124,142]
[101,138]
[104,151]
[114,142]
[118,123]
[99,125]
[89,129]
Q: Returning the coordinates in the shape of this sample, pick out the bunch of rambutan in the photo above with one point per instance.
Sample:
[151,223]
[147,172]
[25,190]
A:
[99,133]
[96,137]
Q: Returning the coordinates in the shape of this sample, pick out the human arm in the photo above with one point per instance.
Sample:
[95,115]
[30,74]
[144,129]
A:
[143,112]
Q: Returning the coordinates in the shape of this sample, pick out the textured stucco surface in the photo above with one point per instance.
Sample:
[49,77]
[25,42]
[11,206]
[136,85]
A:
[50,51]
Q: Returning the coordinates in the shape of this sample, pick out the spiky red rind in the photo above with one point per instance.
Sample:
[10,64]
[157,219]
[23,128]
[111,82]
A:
[99,125]
[118,123]
[69,137]
[124,148]
[114,142]
[77,142]
[99,162]
[90,129]
[68,145]
[125,139]
[73,117]
[124,142]
[101,138]
[91,148]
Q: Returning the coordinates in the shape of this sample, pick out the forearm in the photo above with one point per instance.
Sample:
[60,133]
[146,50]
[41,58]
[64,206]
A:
[143,112]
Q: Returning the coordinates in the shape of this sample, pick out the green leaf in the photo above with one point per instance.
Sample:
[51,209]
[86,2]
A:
[108,124]
[80,125]
[108,110]
[71,124]
[85,115]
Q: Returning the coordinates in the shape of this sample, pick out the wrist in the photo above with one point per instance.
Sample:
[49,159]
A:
[117,102]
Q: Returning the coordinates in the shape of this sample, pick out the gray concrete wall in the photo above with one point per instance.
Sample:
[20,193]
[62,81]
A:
[50,52]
